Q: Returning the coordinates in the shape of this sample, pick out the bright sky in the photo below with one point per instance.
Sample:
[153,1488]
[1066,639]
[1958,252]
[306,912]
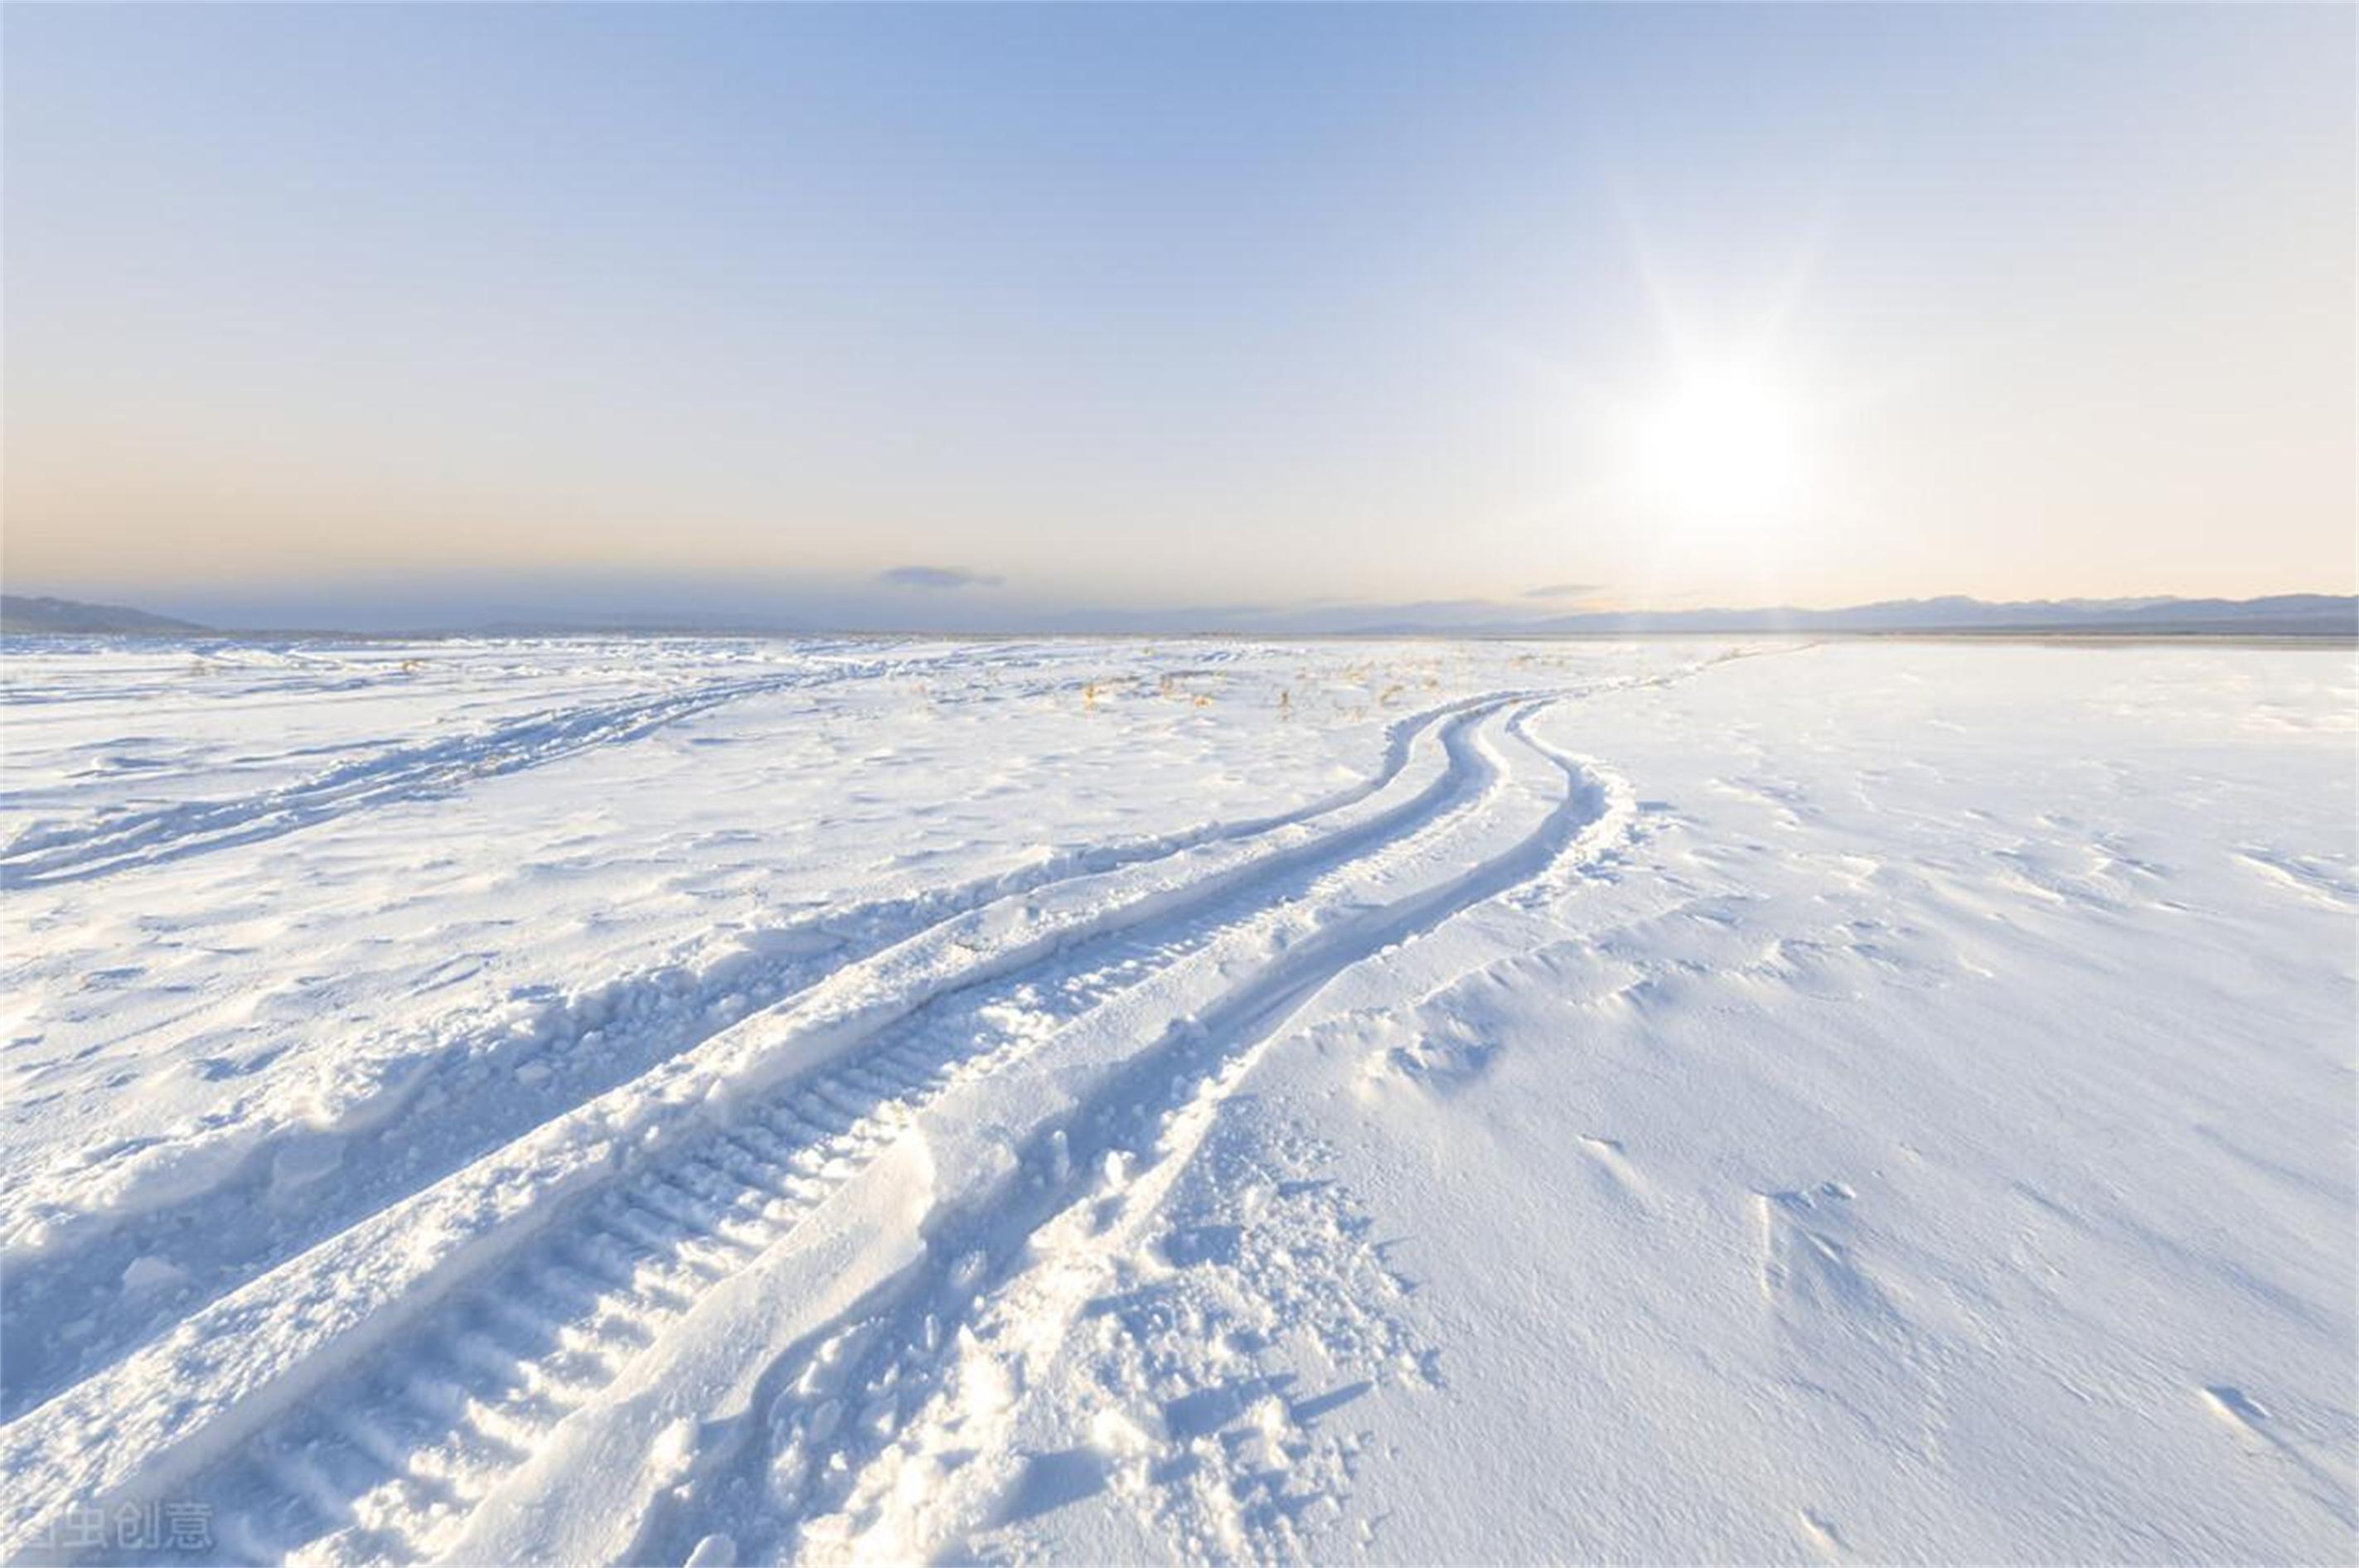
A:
[1128,307]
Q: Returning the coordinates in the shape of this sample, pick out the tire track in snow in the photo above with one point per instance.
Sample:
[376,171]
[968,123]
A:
[1009,1272]
[222,1232]
[644,1255]
[695,1170]
[662,1176]
[48,852]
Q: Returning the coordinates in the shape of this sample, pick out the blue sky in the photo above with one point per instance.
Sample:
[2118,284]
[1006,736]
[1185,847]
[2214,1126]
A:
[320,309]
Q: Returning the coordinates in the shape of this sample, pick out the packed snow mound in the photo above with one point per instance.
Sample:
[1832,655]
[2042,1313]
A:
[706,1101]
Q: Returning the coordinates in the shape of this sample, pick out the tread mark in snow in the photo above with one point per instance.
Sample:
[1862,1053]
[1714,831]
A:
[89,1248]
[52,852]
[685,1214]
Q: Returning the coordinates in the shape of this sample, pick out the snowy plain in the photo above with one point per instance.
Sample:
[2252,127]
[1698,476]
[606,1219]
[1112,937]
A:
[707,1102]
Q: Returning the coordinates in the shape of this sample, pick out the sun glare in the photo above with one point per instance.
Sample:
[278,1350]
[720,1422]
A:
[1719,450]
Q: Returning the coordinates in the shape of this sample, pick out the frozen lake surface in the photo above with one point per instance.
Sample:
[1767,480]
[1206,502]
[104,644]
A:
[702,1100]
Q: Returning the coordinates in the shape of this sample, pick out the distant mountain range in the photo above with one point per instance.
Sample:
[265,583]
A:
[2280,615]
[22,616]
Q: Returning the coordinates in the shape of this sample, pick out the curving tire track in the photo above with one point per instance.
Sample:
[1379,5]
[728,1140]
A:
[1009,1272]
[359,1402]
[673,1180]
[229,1231]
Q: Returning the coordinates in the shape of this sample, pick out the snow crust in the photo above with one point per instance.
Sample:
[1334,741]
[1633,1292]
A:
[733,1102]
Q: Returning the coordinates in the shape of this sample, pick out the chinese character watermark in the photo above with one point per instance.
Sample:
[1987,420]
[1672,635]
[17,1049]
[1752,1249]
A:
[129,1528]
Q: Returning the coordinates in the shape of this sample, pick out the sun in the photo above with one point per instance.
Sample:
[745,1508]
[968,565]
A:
[1718,449]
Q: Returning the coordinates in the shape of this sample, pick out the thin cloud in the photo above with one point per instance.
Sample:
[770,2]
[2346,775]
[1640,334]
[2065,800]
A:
[937,577]
[1565,590]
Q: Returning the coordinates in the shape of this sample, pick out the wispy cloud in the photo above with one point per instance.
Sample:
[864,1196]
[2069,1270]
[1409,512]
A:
[937,577]
[1565,590]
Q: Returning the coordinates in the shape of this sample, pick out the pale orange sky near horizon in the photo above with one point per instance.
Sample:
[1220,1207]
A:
[2043,303]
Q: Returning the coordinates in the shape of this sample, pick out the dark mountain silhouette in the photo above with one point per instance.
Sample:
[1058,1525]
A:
[22,615]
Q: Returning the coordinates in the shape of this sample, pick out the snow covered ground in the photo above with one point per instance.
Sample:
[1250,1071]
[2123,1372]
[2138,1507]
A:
[697,1101]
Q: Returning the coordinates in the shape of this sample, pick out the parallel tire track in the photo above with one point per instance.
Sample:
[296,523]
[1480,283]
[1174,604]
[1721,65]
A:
[686,1212]
[532,1280]
[45,853]
[1010,1270]
[86,1252]
[475,1385]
